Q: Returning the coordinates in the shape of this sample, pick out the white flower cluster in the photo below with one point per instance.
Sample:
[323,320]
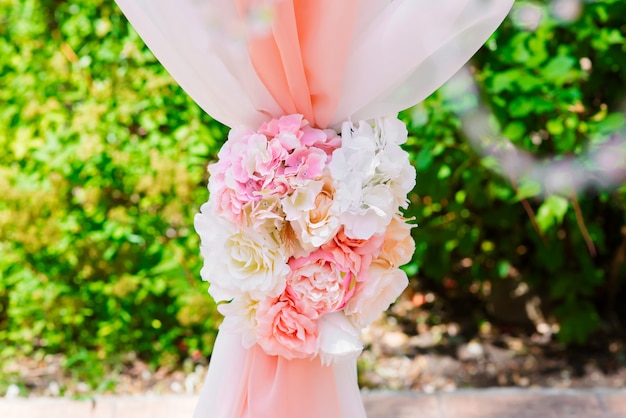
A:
[374,175]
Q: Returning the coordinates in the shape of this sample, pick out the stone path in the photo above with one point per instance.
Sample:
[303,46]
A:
[493,403]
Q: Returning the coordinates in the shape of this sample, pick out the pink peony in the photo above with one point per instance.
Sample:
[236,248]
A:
[320,281]
[358,254]
[287,328]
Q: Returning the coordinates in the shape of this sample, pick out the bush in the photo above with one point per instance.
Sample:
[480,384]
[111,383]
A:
[554,92]
[102,172]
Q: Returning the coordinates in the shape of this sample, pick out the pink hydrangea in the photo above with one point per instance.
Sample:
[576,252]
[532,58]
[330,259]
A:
[282,155]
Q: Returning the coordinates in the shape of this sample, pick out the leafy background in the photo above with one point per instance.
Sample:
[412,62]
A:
[103,166]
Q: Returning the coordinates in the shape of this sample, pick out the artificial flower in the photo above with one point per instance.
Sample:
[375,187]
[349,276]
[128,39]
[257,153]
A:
[320,281]
[374,295]
[286,327]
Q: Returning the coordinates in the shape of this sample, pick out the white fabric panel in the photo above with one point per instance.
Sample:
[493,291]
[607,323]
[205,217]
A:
[203,46]
[410,50]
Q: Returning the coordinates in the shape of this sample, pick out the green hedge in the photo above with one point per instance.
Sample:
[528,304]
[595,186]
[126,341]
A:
[102,170]
[103,164]
[479,225]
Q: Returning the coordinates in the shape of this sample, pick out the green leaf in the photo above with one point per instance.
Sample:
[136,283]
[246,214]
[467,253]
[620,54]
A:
[514,130]
[611,124]
[555,127]
[551,212]
[558,67]
[528,189]
[424,159]
[444,172]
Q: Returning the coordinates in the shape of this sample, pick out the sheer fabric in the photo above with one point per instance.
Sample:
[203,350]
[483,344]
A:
[329,60]
[247,61]
[250,384]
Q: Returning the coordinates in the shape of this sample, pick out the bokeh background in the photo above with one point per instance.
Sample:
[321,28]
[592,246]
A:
[520,202]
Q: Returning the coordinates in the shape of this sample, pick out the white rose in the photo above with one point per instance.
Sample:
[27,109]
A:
[240,261]
[241,317]
[339,338]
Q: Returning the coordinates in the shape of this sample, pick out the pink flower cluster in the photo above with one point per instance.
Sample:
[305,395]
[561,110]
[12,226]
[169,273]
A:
[257,167]
[275,244]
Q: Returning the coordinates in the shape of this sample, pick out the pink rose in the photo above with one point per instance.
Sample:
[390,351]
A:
[287,328]
[320,281]
[355,253]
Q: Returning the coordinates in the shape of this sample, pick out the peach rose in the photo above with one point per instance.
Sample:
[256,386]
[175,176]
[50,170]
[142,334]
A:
[320,223]
[398,247]
[374,295]
[287,328]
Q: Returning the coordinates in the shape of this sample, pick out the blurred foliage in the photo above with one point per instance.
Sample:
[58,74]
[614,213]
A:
[103,166]
[554,91]
[102,169]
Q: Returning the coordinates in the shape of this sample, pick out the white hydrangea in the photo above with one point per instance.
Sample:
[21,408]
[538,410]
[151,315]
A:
[373,175]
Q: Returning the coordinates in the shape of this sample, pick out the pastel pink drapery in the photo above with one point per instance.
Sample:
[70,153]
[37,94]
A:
[302,57]
[331,60]
[399,52]
[247,383]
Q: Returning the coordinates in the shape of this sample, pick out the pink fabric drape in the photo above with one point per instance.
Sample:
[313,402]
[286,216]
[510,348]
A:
[316,394]
[247,383]
[302,58]
[330,60]
[300,61]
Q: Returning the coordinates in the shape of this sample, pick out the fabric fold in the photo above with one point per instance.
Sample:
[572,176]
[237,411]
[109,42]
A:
[248,383]
[247,61]
[409,50]
[302,57]
[203,45]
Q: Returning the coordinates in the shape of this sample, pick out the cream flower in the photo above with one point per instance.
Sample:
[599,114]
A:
[241,314]
[339,338]
[302,200]
[240,260]
[318,225]
[374,295]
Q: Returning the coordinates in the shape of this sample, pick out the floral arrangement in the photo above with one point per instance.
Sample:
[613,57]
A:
[302,236]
